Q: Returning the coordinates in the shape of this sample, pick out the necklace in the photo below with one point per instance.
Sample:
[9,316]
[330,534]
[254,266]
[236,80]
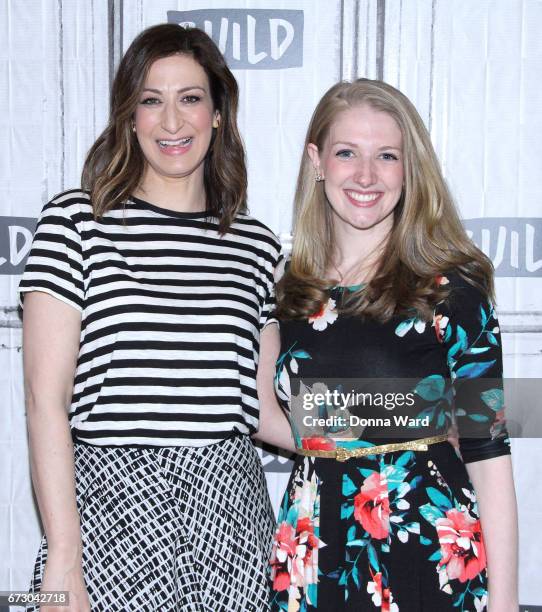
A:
[355,276]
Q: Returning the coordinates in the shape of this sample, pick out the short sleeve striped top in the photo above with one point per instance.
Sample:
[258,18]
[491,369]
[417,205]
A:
[170,318]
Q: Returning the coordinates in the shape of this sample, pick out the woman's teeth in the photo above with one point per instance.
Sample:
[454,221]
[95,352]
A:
[181,142]
[362,197]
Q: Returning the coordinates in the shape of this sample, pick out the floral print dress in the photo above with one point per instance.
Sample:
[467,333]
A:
[396,531]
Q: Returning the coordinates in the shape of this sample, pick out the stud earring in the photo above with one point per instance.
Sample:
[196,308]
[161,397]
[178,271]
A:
[318,178]
[133,126]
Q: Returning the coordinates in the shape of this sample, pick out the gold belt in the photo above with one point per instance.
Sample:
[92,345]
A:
[342,454]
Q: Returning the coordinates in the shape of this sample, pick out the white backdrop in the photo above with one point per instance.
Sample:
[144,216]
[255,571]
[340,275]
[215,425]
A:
[472,67]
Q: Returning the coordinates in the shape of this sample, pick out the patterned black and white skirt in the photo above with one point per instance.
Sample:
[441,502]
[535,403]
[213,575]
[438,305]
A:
[173,529]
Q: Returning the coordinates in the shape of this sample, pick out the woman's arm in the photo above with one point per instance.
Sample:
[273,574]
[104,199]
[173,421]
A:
[470,333]
[274,427]
[51,331]
[494,487]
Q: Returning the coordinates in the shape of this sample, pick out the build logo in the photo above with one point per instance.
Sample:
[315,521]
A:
[15,242]
[514,244]
[253,39]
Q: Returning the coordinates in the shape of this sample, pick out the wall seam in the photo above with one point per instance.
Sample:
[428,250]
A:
[62,101]
[380,37]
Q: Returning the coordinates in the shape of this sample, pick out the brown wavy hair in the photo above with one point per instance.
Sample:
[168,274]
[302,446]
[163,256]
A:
[427,238]
[115,163]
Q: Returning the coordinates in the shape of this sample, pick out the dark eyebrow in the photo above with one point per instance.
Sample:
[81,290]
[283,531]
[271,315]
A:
[158,91]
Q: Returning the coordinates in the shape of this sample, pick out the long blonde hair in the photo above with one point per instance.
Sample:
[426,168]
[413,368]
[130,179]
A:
[427,238]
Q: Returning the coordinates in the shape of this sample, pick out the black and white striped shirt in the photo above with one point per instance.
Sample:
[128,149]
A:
[170,318]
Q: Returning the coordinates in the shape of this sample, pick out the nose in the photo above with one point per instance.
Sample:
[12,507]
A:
[172,118]
[365,174]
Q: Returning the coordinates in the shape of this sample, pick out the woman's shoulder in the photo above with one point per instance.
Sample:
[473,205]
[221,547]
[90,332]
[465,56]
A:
[69,203]
[465,295]
[246,223]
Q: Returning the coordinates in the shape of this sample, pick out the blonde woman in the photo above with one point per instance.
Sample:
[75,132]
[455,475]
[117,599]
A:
[385,292]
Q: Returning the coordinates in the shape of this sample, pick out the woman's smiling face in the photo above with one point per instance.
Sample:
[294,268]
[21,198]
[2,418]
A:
[362,165]
[174,118]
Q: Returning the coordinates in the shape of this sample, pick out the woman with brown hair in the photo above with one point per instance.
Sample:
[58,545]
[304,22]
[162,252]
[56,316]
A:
[388,336]
[145,293]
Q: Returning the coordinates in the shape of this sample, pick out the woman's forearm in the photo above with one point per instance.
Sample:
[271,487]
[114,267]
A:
[494,487]
[51,332]
[52,467]
[273,426]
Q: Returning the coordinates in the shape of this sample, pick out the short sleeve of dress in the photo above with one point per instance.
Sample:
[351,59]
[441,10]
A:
[469,330]
[267,315]
[55,261]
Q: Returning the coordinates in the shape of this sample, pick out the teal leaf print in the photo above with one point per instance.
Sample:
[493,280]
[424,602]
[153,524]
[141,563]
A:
[477,350]
[494,398]
[394,474]
[291,518]
[431,514]
[347,510]
[461,344]
[459,600]
[373,559]
[436,556]
[355,576]
[312,593]
[404,327]
[441,419]
[492,339]
[483,316]
[431,388]
[472,370]
[335,574]
[405,458]
[479,418]
[425,541]
[342,579]
[415,482]
[301,354]
[479,592]
[349,488]
[351,534]
[402,490]
[357,542]
[438,499]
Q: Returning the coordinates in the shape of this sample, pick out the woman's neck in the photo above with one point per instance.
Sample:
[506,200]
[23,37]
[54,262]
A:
[357,255]
[186,194]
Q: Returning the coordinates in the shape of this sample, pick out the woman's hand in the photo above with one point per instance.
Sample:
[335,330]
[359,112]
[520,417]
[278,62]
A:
[64,572]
